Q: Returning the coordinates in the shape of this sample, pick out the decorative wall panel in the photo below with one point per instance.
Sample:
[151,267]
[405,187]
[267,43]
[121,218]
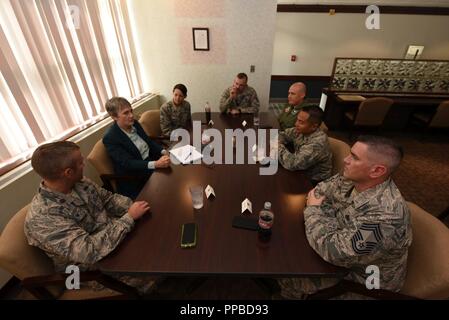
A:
[390,75]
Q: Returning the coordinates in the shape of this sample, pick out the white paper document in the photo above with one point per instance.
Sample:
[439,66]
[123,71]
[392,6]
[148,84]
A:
[323,101]
[186,154]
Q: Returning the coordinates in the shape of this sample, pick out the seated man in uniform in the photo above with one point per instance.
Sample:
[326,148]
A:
[296,100]
[311,151]
[239,98]
[132,152]
[71,218]
[359,219]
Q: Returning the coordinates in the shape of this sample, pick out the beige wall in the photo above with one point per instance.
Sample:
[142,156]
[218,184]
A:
[317,38]
[241,34]
[19,193]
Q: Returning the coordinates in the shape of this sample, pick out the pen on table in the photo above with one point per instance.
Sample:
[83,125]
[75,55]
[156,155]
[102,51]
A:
[188,155]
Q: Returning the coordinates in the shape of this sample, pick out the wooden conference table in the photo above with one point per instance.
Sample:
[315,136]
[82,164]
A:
[153,246]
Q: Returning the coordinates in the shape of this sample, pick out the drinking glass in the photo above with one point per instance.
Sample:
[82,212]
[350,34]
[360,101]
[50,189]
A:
[197,196]
[256,119]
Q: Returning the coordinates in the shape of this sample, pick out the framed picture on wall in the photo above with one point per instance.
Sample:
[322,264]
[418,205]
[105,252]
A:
[201,39]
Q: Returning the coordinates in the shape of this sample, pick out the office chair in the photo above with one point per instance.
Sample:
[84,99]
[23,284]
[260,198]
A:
[101,161]
[370,114]
[440,119]
[340,150]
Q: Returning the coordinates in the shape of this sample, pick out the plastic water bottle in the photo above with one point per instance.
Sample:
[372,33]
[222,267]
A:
[207,109]
[266,219]
[256,119]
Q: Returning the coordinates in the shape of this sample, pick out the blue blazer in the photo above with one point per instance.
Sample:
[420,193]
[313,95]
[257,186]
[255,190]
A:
[127,158]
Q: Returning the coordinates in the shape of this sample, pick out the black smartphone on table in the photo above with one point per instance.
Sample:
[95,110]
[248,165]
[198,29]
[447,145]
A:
[188,235]
[245,223]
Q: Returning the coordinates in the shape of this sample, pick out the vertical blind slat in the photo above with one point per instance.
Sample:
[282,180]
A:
[55,76]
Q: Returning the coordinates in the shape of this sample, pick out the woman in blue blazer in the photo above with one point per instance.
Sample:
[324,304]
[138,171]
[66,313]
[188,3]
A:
[131,150]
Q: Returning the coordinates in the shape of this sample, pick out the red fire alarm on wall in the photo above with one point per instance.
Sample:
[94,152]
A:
[293,58]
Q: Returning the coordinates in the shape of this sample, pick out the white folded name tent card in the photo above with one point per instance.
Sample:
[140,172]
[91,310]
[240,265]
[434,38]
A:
[247,207]
[211,123]
[186,154]
[205,138]
[244,123]
[209,192]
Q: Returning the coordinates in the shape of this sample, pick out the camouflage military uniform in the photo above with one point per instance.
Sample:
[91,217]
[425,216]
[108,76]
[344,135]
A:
[174,117]
[355,230]
[246,102]
[311,153]
[287,117]
[79,228]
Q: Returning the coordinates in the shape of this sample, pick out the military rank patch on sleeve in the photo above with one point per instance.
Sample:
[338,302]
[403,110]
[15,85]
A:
[366,238]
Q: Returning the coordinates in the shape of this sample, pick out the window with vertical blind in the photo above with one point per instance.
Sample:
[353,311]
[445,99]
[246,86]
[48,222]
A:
[60,60]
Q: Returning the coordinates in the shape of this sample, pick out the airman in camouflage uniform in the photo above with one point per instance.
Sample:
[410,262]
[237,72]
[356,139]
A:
[239,98]
[354,225]
[174,117]
[311,151]
[75,222]
[81,227]
[296,94]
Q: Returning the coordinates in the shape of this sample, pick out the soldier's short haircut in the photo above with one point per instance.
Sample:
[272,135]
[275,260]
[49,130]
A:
[316,114]
[242,75]
[301,87]
[51,159]
[390,152]
[115,105]
[181,88]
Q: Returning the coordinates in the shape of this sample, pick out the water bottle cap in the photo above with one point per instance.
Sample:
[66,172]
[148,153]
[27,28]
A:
[267,205]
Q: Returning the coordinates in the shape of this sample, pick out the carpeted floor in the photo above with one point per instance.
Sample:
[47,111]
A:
[423,176]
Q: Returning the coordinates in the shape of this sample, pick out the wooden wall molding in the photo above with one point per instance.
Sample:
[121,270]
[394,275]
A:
[300,78]
[309,8]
